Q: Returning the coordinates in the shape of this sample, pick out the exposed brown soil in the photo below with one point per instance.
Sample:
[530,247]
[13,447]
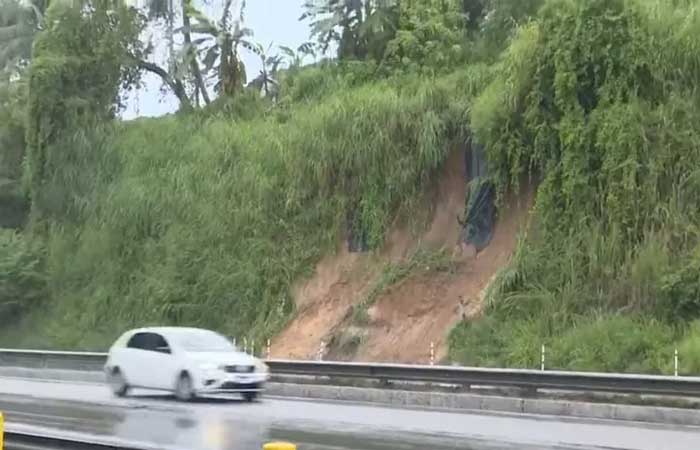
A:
[418,310]
[424,307]
[323,302]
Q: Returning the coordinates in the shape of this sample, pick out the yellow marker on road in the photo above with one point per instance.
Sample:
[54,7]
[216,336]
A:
[2,429]
[277,446]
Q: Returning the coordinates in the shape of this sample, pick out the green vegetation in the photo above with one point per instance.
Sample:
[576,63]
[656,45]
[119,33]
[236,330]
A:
[13,205]
[598,101]
[208,220]
[22,277]
[206,217]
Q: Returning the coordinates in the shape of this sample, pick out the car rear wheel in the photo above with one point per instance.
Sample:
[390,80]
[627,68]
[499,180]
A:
[183,388]
[118,383]
[250,396]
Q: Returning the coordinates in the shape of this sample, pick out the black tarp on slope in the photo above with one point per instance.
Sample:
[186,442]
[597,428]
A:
[480,213]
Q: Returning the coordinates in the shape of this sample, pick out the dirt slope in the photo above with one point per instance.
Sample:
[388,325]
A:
[421,308]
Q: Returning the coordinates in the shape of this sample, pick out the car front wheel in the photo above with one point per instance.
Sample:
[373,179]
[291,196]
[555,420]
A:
[250,396]
[183,388]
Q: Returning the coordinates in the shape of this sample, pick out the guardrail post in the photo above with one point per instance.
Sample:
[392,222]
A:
[269,349]
[432,353]
[321,349]
[675,363]
[542,362]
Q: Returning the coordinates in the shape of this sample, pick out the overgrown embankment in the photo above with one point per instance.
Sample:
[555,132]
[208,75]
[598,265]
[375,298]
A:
[210,216]
[598,101]
[209,219]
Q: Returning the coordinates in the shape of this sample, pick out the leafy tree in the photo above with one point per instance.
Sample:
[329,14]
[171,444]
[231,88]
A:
[359,28]
[209,50]
[429,37]
[19,23]
[501,18]
[172,74]
[84,59]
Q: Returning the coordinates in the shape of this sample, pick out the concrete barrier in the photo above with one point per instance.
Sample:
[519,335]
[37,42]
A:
[479,403]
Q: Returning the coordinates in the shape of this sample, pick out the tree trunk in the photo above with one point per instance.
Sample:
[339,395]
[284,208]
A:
[176,85]
[170,36]
[193,62]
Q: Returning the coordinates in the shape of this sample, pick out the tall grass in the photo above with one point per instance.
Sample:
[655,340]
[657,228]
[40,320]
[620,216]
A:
[207,221]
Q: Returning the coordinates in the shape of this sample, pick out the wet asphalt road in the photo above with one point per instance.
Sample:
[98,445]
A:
[235,425]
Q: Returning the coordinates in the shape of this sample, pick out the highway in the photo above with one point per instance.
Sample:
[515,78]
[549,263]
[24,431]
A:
[235,425]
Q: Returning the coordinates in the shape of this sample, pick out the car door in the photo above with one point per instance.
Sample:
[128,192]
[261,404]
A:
[159,366]
[133,358]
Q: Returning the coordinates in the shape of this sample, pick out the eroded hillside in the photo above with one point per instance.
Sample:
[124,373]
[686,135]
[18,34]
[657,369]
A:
[414,283]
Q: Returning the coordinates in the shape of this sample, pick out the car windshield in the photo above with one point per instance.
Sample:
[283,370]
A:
[202,341]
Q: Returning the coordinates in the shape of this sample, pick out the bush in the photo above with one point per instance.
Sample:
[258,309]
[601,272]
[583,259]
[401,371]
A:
[681,290]
[604,343]
[614,344]
[688,352]
[22,277]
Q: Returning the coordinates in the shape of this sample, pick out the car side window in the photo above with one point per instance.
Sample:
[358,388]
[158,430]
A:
[156,343]
[151,342]
[138,341]
[161,345]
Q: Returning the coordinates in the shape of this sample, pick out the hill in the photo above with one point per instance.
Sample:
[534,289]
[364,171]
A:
[341,213]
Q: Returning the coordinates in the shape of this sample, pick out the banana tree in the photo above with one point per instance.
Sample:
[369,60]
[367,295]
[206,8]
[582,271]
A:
[220,46]
[295,58]
[266,81]
[359,27]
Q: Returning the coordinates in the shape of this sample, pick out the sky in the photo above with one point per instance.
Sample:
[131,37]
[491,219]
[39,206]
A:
[272,21]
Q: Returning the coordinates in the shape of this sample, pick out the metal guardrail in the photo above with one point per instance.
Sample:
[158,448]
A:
[40,359]
[462,376]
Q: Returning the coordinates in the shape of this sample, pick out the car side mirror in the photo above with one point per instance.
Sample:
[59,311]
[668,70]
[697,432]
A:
[163,350]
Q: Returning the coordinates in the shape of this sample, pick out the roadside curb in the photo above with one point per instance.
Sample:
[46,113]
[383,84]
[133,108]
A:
[487,403]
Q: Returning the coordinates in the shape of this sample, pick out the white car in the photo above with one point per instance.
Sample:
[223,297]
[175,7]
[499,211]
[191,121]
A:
[187,361]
